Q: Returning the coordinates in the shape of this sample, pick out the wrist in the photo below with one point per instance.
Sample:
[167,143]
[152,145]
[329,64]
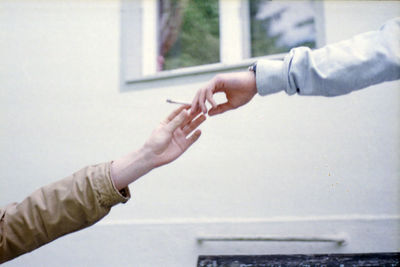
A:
[253,77]
[131,167]
[146,157]
[251,82]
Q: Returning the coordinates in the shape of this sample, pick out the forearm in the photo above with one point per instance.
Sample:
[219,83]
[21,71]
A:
[65,206]
[336,69]
[129,168]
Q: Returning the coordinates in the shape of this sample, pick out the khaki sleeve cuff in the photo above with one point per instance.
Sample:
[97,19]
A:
[106,192]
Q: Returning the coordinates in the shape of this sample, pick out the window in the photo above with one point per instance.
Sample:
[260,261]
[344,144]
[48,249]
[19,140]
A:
[188,33]
[276,27]
[165,38]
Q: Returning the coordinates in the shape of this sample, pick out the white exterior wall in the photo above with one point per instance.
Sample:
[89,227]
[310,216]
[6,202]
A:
[279,166]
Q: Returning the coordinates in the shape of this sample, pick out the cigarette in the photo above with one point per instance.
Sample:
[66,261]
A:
[178,102]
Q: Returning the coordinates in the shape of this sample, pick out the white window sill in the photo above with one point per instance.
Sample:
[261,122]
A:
[197,70]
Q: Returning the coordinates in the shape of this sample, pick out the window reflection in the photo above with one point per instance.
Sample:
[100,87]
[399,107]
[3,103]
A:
[278,26]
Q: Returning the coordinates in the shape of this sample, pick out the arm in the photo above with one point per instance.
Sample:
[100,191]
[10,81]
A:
[87,196]
[336,69]
[65,206]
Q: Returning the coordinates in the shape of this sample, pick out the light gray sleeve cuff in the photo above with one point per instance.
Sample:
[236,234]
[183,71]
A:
[270,76]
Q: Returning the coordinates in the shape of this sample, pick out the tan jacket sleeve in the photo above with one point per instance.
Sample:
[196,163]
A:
[65,206]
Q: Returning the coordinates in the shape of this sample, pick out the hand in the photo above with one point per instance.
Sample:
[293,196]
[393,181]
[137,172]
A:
[170,139]
[239,89]
[167,142]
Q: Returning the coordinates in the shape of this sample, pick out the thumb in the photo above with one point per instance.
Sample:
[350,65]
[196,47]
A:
[220,109]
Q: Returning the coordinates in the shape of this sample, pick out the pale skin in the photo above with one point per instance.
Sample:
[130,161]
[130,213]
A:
[174,135]
[167,142]
[239,88]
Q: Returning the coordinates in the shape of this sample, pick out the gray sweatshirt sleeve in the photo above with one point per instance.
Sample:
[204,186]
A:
[366,59]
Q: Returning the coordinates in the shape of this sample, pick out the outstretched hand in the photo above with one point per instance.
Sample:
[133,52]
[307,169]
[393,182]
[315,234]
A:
[239,88]
[167,142]
[171,138]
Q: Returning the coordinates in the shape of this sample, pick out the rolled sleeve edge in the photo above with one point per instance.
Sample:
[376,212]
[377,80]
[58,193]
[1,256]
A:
[108,195]
[269,78]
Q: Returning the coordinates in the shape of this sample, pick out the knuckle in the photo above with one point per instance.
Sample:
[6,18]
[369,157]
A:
[219,79]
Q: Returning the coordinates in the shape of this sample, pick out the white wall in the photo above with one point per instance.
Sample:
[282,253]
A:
[279,166]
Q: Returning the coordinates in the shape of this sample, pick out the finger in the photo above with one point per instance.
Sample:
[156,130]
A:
[195,103]
[190,118]
[177,121]
[193,125]
[202,101]
[220,109]
[219,84]
[175,113]
[193,138]
[210,99]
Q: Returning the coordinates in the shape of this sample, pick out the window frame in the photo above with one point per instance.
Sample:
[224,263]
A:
[234,14]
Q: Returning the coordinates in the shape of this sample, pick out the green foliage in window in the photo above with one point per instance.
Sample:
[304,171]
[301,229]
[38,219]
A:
[198,40]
